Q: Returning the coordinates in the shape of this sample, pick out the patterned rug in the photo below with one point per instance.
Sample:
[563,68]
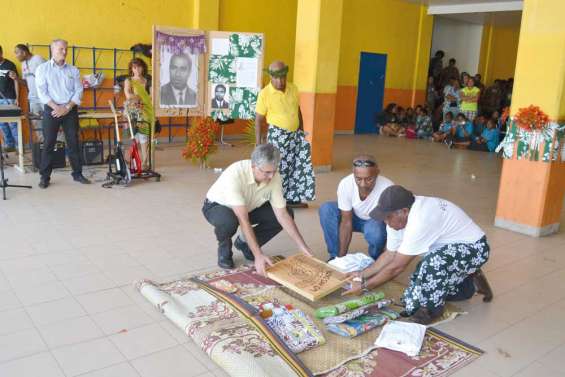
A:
[232,333]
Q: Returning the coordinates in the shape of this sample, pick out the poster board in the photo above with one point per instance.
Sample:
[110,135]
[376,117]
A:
[179,71]
[307,276]
[235,67]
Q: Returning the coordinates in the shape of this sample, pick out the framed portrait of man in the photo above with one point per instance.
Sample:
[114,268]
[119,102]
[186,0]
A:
[179,85]
[220,97]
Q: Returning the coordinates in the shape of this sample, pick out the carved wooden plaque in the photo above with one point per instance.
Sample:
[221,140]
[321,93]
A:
[307,276]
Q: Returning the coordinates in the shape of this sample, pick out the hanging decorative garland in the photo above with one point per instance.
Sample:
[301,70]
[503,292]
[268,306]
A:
[176,44]
[530,130]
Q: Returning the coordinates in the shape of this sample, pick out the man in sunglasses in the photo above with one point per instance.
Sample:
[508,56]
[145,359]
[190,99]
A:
[357,195]
[249,195]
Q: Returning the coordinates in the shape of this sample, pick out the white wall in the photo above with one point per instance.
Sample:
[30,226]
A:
[460,40]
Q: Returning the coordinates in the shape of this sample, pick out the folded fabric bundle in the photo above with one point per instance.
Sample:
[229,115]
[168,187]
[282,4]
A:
[295,329]
[333,310]
[356,313]
[405,337]
[351,262]
[358,325]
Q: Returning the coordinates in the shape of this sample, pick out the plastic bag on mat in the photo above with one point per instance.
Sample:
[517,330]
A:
[405,337]
[295,329]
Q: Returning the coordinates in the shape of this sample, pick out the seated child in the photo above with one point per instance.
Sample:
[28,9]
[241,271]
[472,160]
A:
[392,127]
[479,124]
[462,132]
[445,128]
[424,128]
[489,139]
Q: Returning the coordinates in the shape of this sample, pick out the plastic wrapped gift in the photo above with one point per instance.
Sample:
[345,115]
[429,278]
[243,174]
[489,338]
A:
[295,329]
[358,325]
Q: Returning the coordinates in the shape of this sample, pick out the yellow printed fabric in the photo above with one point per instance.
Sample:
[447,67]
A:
[280,108]
[237,187]
[148,115]
[469,106]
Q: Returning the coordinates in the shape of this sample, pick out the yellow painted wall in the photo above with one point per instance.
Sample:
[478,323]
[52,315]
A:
[101,23]
[276,19]
[387,27]
[499,48]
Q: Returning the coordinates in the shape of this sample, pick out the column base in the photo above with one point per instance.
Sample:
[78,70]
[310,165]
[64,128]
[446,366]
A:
[322,168]
[528,230]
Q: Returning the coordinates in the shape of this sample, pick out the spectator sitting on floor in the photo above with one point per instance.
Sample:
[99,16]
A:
[388,115]
[462,132]
[445,128]
[410,117]
[489,139]
[392,127]
[479,124]
[401,116]
[424,127]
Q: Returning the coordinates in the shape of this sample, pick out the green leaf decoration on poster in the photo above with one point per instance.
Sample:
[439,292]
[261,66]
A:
[221,69]
[243,102]
[245,45]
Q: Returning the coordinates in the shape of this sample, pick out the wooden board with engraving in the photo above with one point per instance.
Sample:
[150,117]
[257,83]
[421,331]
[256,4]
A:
[307,276]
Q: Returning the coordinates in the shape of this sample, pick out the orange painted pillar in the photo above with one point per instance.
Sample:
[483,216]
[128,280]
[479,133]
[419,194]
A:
[316,61]
[530,197]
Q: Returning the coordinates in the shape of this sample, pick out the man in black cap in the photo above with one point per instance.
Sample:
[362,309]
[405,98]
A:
[452,246]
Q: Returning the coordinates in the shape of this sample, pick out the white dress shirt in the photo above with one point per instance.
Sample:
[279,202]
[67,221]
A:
[60,84]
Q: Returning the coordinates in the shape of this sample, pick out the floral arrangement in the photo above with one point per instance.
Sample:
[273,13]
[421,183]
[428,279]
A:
[531,118]
[201,141]
[530,132]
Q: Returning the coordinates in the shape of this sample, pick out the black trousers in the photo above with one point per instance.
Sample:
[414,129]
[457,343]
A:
[225,223]
[50,127]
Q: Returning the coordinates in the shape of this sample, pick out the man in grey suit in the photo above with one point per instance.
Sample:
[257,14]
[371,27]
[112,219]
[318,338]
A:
[177,92]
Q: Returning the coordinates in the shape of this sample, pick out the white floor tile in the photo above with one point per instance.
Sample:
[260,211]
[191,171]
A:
[105,300]
[122,319]
[37,294]
[14,320]
[70,331]
[172,362]
[88,283]
[119,370]
[55,311]
[42,364]
[142,341]
[87,357]
[19,344]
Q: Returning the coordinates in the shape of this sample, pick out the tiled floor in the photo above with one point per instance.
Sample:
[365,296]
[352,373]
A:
[69,253]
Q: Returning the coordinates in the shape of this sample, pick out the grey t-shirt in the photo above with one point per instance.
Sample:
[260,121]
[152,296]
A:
[28,73]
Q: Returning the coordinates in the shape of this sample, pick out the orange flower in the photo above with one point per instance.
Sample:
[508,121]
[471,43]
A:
[531,118]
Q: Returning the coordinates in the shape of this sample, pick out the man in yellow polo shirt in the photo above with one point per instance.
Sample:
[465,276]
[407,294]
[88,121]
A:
[278,106]
[249,195]
[470,99]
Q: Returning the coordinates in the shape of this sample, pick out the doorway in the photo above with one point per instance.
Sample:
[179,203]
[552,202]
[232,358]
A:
[370,91]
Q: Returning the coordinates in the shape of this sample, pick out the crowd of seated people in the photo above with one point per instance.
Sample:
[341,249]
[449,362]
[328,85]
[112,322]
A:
[459,111]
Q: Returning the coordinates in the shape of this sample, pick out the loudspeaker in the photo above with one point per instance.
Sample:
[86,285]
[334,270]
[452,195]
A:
[58,155]
[92,152]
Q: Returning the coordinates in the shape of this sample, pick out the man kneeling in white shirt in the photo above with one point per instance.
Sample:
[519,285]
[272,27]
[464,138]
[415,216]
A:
[453,249]
[357,195]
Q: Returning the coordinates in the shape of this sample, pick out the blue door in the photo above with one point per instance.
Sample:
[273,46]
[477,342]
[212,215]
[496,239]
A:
[370,91]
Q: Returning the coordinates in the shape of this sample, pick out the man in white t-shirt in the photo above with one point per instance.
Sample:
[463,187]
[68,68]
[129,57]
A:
[452,249]
[30,63]
[357,195]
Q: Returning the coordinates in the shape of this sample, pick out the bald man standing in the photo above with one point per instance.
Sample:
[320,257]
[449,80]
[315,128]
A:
[278,106]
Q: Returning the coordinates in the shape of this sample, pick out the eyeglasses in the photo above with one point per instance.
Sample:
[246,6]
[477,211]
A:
[364,163]
[267,172]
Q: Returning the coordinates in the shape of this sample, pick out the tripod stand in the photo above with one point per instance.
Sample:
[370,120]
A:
[4,181]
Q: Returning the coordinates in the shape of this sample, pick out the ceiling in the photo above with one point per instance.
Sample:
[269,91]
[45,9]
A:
[499,12]
[470,6]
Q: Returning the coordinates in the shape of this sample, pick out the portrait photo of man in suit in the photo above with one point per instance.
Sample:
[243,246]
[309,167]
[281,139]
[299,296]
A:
[219,100]
[179,92]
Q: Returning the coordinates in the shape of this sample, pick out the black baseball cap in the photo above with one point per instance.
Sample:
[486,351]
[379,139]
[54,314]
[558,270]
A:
[392,199]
